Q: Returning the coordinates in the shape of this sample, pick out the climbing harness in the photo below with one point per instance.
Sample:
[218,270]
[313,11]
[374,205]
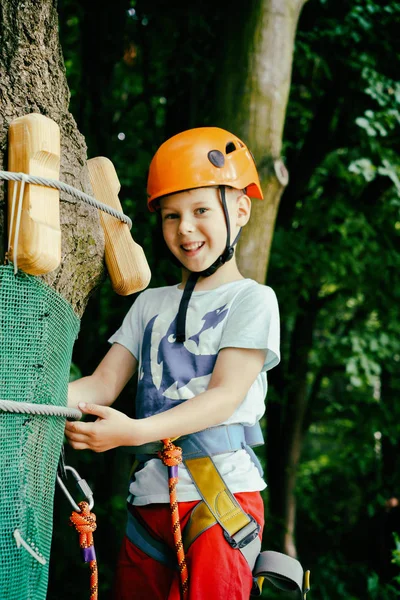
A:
[219,506]
[84,522]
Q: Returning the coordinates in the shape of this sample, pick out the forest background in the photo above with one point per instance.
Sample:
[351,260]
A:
[139,72]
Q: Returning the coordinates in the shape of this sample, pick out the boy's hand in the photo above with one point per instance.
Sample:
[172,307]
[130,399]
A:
[110,430]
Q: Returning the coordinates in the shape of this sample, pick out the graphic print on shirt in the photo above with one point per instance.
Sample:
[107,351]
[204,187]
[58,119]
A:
[165,373]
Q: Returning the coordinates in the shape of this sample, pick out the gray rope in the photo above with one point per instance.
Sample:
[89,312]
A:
[40,409]
[59,185]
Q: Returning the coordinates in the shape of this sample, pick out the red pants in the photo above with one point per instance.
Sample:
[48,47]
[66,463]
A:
[216,571]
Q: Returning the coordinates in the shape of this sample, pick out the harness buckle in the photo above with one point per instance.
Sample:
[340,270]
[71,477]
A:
[244,536]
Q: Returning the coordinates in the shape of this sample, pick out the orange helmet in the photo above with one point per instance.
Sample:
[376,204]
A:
[202,157]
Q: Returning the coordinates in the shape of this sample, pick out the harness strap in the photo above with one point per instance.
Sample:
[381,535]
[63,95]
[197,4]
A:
[142,539]
[217,440]
[210,442]
[283,572]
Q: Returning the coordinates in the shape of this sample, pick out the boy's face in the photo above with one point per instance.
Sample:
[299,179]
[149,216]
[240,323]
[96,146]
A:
[194,225]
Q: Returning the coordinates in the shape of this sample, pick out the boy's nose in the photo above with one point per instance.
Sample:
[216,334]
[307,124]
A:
[186,226]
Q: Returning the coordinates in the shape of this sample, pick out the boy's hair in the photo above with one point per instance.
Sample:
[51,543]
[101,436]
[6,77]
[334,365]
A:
[155,206]
[202,157]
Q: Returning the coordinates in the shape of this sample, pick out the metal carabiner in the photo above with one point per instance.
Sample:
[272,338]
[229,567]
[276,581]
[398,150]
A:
[81,483]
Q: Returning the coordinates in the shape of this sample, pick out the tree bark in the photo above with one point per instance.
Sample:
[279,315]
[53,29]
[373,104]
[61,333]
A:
[254,89]
[33,80]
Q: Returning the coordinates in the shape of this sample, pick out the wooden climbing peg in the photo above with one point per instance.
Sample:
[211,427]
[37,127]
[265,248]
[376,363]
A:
[126,262]
[34,243]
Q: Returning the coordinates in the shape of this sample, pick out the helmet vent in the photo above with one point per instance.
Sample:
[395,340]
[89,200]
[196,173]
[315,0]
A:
[230,147]
[216,158]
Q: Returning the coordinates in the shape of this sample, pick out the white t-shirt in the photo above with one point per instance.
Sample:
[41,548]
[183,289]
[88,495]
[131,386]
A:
[239,314]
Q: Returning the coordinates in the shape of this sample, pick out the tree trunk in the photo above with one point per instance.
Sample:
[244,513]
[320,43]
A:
[33,80]
[253,91]
[252,96]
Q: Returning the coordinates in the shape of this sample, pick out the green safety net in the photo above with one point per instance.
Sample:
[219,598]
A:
[37,332]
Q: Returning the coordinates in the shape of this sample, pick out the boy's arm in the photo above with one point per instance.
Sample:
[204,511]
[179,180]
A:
[234,372]
[107,381]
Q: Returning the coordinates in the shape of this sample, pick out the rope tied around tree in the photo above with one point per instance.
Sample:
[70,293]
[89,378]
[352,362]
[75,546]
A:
[171,456]
[69,189]
[85,524]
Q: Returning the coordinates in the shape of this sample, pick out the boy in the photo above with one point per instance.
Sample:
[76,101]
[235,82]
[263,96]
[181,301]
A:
[202,349]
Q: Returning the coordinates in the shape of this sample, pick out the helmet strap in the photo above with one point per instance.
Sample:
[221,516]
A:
[194,276]
[183,307]
[229,248]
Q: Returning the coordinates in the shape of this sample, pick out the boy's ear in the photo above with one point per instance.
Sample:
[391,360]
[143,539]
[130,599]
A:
[243,210]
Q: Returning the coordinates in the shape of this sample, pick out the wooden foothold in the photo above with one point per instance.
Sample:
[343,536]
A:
[126,262]
[34,149]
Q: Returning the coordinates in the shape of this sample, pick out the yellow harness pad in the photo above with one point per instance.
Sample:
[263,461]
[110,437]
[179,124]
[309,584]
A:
[218,505]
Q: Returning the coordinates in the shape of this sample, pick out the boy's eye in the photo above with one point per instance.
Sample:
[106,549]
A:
[170,216]
[201,211]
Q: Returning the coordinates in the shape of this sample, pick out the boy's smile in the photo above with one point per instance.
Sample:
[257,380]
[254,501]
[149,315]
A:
[192,248]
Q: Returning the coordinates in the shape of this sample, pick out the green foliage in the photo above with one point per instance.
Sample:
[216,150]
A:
[336,247]
[389,591]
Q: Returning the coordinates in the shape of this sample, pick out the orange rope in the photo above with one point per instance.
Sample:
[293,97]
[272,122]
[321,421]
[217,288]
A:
[85,523]
[171,456]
